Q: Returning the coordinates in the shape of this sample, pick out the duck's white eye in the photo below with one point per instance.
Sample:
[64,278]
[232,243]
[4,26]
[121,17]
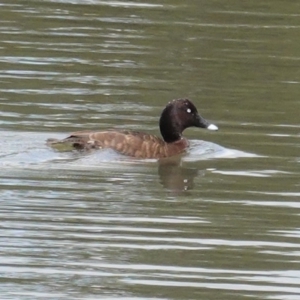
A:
[189,110]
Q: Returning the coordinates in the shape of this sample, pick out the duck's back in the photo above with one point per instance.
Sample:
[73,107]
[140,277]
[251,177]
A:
[131,143]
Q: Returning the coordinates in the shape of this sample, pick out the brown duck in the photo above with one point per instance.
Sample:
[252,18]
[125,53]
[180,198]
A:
[175,118]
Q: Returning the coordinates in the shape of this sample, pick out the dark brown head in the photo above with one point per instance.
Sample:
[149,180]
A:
[177,116]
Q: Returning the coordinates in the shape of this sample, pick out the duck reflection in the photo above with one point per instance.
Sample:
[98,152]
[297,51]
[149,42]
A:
[176,177]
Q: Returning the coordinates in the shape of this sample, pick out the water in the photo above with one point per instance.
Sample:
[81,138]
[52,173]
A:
[221,222]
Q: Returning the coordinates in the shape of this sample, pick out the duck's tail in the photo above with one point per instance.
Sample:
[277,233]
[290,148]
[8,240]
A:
[60,145]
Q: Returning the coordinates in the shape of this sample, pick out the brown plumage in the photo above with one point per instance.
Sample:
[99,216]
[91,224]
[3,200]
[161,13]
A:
[177,116]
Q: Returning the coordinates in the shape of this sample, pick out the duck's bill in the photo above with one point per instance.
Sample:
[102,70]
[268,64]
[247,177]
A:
[205,124]
[212,127]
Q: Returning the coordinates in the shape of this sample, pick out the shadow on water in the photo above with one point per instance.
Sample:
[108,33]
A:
[175,177]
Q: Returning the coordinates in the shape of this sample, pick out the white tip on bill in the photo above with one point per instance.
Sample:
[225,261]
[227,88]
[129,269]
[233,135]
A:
[212,127]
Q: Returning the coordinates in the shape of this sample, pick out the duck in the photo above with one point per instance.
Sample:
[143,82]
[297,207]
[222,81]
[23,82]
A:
[178,115]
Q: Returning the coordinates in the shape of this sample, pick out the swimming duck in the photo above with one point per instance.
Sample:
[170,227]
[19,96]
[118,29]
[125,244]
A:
[178,115]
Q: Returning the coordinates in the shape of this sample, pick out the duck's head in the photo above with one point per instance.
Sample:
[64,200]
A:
[178,115]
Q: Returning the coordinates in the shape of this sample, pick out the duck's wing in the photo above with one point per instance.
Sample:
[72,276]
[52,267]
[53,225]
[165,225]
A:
[131,143]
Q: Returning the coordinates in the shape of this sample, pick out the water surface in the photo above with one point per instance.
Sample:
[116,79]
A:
[219,222]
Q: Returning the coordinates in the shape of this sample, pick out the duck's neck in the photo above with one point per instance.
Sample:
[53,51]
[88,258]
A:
[169,130]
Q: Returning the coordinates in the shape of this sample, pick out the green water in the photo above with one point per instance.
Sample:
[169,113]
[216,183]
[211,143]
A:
[222,222]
